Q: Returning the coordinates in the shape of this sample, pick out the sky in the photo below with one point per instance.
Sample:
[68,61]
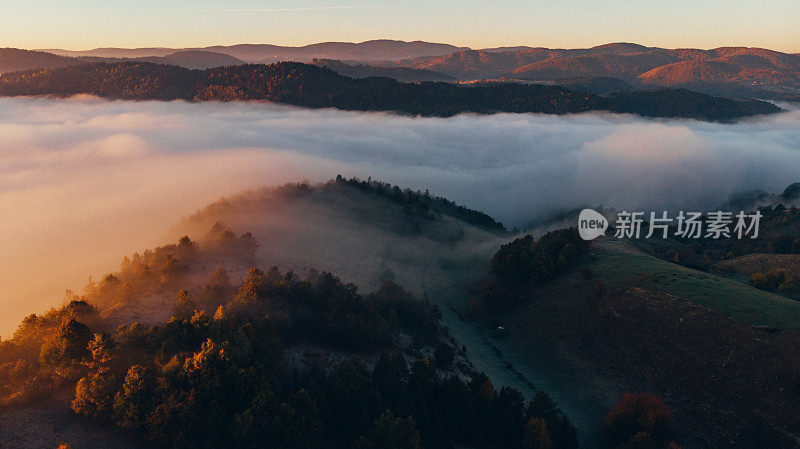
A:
[87,24]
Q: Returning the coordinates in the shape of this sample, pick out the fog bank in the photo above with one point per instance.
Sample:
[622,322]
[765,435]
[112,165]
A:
[85,181]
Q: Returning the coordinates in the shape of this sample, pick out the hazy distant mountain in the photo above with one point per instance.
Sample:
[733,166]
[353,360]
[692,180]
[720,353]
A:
[402,74]
[194,59]
[375,50]
[506,49]
[189,59]
[616,48]
[14,59]
[114,52]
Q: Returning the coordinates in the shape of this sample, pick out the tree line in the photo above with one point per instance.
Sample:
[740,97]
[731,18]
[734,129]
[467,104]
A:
[319,87]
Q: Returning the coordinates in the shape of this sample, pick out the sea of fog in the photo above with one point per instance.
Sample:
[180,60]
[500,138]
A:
[84,181]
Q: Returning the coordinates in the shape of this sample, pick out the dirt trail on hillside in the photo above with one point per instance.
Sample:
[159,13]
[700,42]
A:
[579,399]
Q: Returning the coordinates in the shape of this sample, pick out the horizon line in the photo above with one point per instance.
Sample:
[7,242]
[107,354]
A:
[461,47]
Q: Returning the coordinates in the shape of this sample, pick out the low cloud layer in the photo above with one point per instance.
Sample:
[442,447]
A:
[85,181]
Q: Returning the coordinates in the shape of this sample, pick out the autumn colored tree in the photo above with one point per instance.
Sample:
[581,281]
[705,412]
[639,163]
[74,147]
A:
[184,307]
[218,290]
[136,399]
[639,413]
[94,393]
[535,435]
[252,290]
[68,345]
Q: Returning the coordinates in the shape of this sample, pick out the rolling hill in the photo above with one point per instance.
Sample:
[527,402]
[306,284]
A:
[138,358]
[748,264]
[736,71]
[721,353]
[375,50]
[14,60]
[17,60]
[195,59]
[620,65]
[311,86]
[476,64]
[189,59]
[290,356]
[726,70]
[402,74]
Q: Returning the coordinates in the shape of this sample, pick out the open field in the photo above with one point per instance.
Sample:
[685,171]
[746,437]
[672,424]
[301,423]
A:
[750,263]
[620,264]
[664,329]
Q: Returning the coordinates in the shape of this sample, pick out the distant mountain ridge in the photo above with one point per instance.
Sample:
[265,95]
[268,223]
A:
[728,71]
[402,74]
[189,59]
[734,71]
[374,50]
[14,60]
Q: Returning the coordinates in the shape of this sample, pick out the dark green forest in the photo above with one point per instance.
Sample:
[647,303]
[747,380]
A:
[423,203]
[318,87]
[525,263]
[223,370]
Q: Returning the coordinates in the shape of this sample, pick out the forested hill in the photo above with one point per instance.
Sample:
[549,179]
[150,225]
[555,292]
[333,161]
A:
[310,86]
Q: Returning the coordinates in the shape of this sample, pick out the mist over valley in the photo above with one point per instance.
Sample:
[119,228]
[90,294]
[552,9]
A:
[130,171]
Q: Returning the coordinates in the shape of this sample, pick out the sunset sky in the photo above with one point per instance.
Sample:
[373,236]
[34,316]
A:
[85,24]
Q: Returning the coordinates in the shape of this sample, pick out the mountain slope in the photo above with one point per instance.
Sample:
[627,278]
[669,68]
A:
[728,69]
[624,66]
[736,71]
[622,320]
[189,59]
[196,59]
[14,60]
[290,356]
[360,230]
[676,103]
[475,64]
[402,74]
